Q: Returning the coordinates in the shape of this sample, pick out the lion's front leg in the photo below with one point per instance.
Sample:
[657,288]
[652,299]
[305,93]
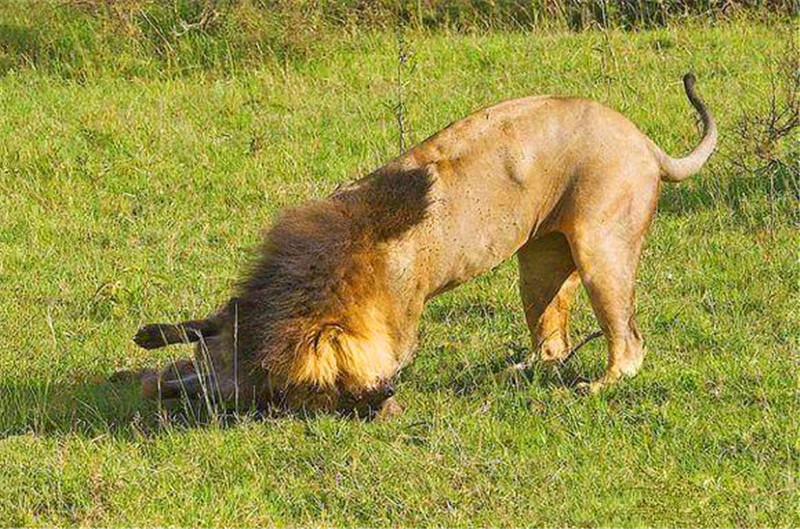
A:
[551,336]
[547,282]
[389,409]
[178,378]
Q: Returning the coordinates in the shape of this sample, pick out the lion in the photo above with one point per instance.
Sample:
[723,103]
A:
[329,312]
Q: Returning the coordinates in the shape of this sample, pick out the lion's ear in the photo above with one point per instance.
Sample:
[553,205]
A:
[333,354]
[316,362]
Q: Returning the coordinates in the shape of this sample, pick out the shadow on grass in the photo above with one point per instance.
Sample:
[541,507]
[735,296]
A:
[102,407]
[22,45]
[45,407]
[503,372]
[115,407]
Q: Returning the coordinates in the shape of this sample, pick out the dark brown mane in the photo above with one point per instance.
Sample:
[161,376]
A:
[319,259]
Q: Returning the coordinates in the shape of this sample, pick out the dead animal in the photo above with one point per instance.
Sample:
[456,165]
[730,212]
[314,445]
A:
[330,311]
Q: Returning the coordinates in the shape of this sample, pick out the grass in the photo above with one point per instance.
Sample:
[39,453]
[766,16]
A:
[127,200]
[161,38]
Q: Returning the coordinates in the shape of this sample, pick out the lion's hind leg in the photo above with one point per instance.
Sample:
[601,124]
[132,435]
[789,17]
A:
[607,256]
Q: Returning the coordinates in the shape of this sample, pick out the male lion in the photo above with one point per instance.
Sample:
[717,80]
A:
[329,313]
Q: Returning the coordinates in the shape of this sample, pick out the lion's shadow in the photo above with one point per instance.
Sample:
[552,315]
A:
[103,407]
[502,372]
[114,406]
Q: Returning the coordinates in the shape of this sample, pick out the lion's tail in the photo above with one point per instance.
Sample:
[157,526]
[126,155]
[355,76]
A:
[677,169]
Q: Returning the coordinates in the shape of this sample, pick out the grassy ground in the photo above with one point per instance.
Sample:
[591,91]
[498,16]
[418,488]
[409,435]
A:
[126,201]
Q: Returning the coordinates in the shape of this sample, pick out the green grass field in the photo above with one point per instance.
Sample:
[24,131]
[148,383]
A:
[127,200]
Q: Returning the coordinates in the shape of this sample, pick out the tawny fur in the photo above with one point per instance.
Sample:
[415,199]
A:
[330,311]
